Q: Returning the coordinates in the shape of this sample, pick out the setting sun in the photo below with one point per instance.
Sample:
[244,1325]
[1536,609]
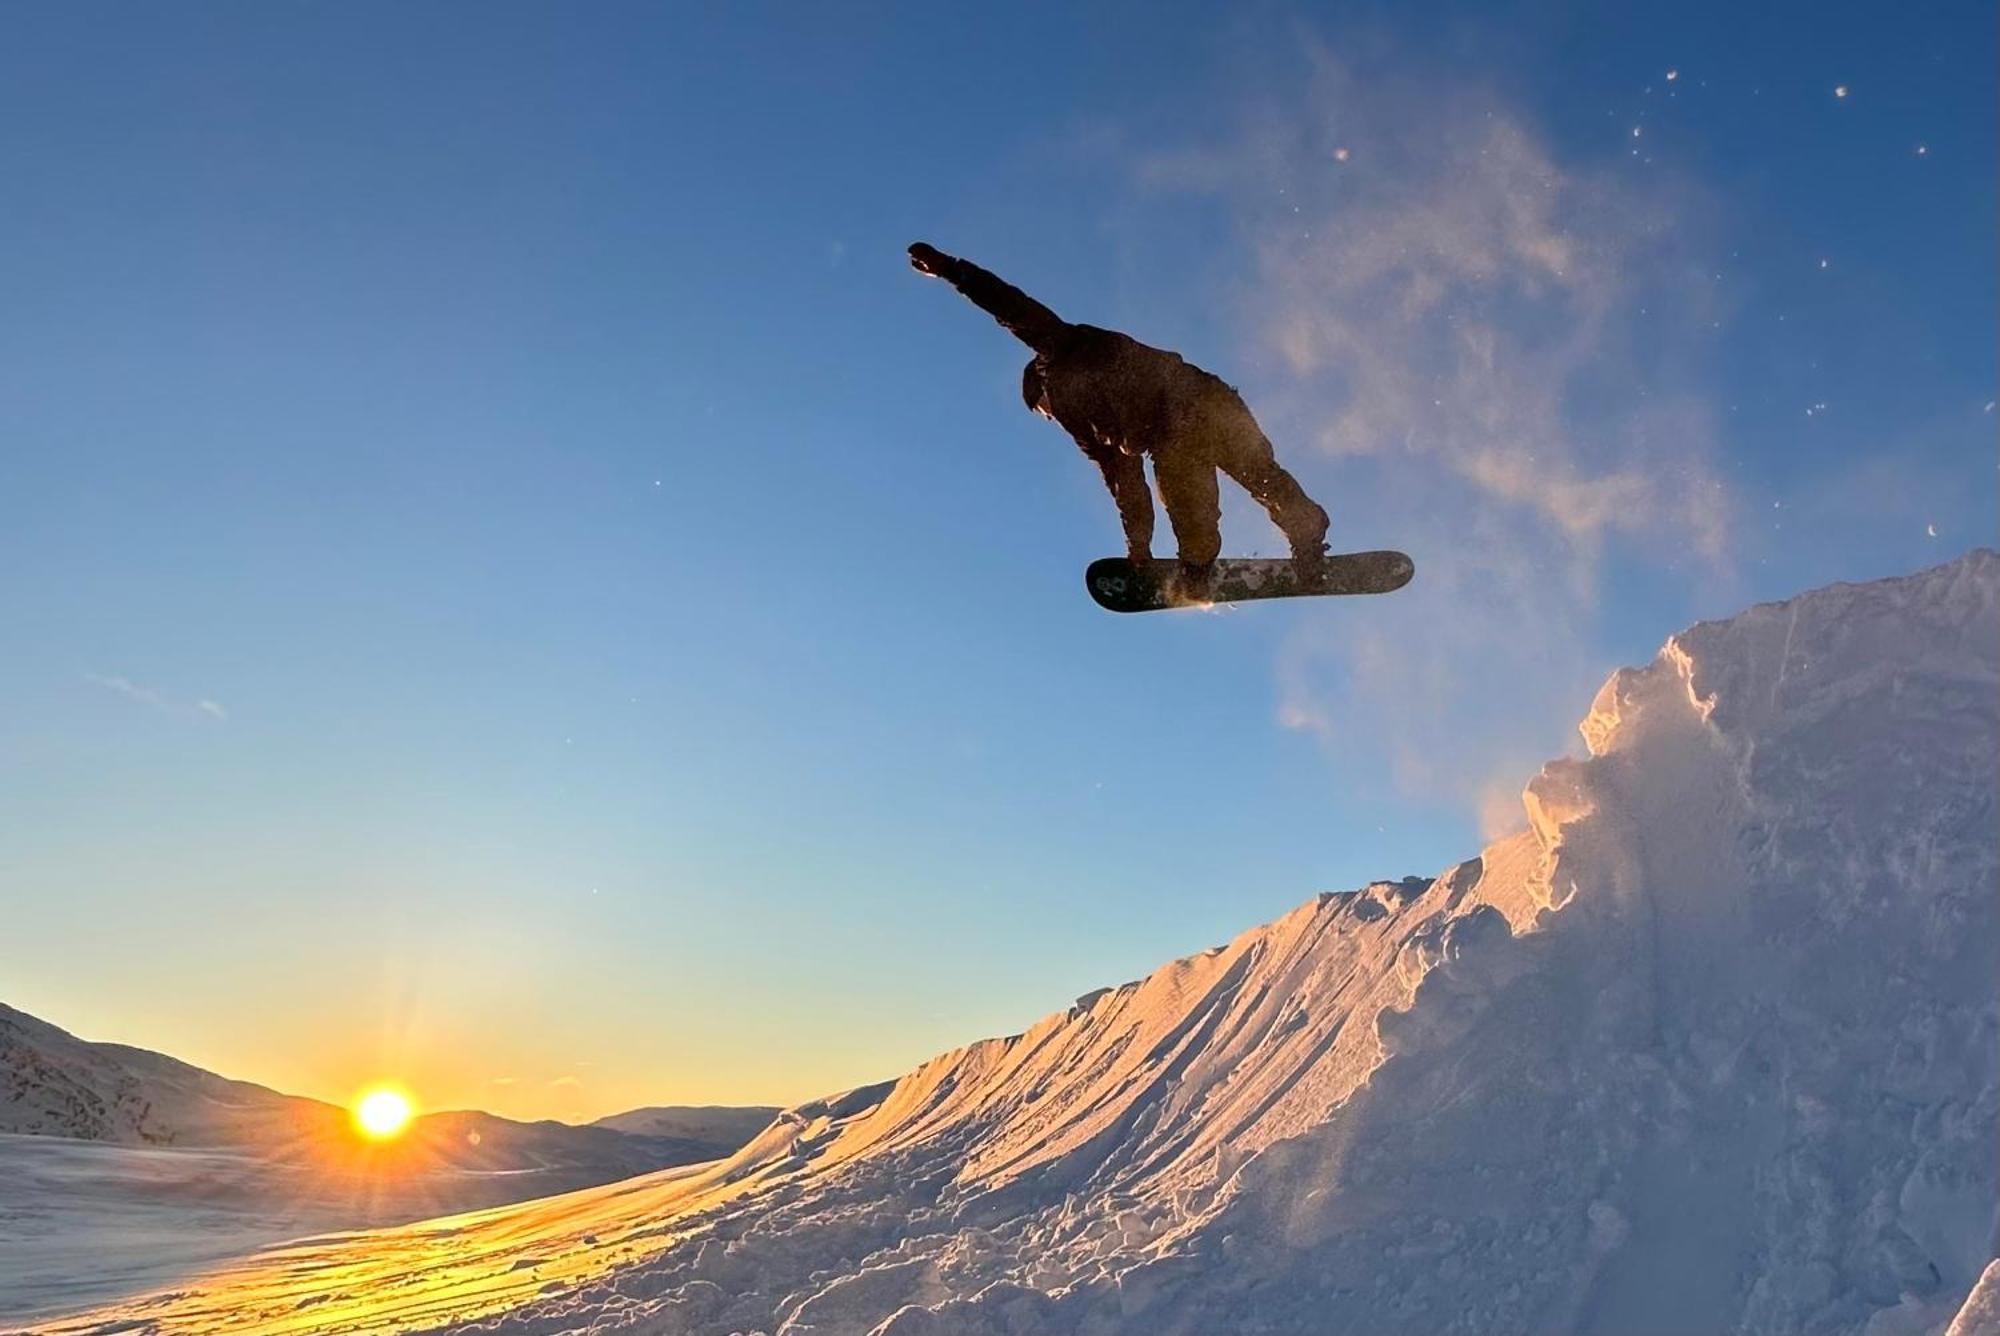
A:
[382,1112]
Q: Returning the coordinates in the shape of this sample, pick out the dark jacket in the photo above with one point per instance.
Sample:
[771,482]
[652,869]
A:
[1105,388]
[1117,397]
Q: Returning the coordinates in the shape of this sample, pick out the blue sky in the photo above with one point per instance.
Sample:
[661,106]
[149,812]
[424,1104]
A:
[514,585]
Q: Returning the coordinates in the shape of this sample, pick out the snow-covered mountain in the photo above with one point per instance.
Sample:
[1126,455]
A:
[149,1165]
[1712,1044]
[724,1127]
[54,1084]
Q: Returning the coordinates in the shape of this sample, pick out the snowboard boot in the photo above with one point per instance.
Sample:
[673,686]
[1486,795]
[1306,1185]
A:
[1309,549]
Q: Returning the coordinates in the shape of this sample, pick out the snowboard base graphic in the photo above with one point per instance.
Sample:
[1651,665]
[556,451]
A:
[1119,584]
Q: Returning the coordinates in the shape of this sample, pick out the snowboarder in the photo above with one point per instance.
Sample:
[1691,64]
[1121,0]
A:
[1121,400]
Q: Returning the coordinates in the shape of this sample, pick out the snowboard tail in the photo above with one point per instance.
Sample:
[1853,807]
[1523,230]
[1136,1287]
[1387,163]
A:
[1119,584]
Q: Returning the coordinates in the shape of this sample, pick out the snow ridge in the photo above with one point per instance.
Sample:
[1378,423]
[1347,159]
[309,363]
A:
[1712,1044]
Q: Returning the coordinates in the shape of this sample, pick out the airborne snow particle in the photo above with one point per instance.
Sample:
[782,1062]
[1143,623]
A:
[1931,529]
[1673,75]
[1340,155]
[1822,264]
[1635,131]
[1840,91]
[1923,150]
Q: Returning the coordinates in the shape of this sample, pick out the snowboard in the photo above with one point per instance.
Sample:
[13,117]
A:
[1119,584]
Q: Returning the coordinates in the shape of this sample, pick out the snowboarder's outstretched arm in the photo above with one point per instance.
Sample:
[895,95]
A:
[1019,314]
[1125,475]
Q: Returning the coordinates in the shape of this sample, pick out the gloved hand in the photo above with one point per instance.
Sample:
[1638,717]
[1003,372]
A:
[928,259]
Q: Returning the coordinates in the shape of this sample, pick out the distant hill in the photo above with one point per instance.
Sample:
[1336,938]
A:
[724,1127]
[55,1084]
[160,1166]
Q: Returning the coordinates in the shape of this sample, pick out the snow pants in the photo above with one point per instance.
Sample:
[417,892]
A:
[1215,432]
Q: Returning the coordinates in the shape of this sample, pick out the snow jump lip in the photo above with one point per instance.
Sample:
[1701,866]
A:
[1117,584]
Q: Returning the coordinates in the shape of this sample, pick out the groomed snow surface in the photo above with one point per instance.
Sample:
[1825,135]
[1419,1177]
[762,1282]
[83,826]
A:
[1711,1045]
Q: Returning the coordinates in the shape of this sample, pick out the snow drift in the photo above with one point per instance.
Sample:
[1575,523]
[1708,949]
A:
[1711,1045]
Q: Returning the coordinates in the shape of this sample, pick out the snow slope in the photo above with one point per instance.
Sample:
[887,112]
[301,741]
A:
[151,1167]
[1981,1314]
[1711,1045]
